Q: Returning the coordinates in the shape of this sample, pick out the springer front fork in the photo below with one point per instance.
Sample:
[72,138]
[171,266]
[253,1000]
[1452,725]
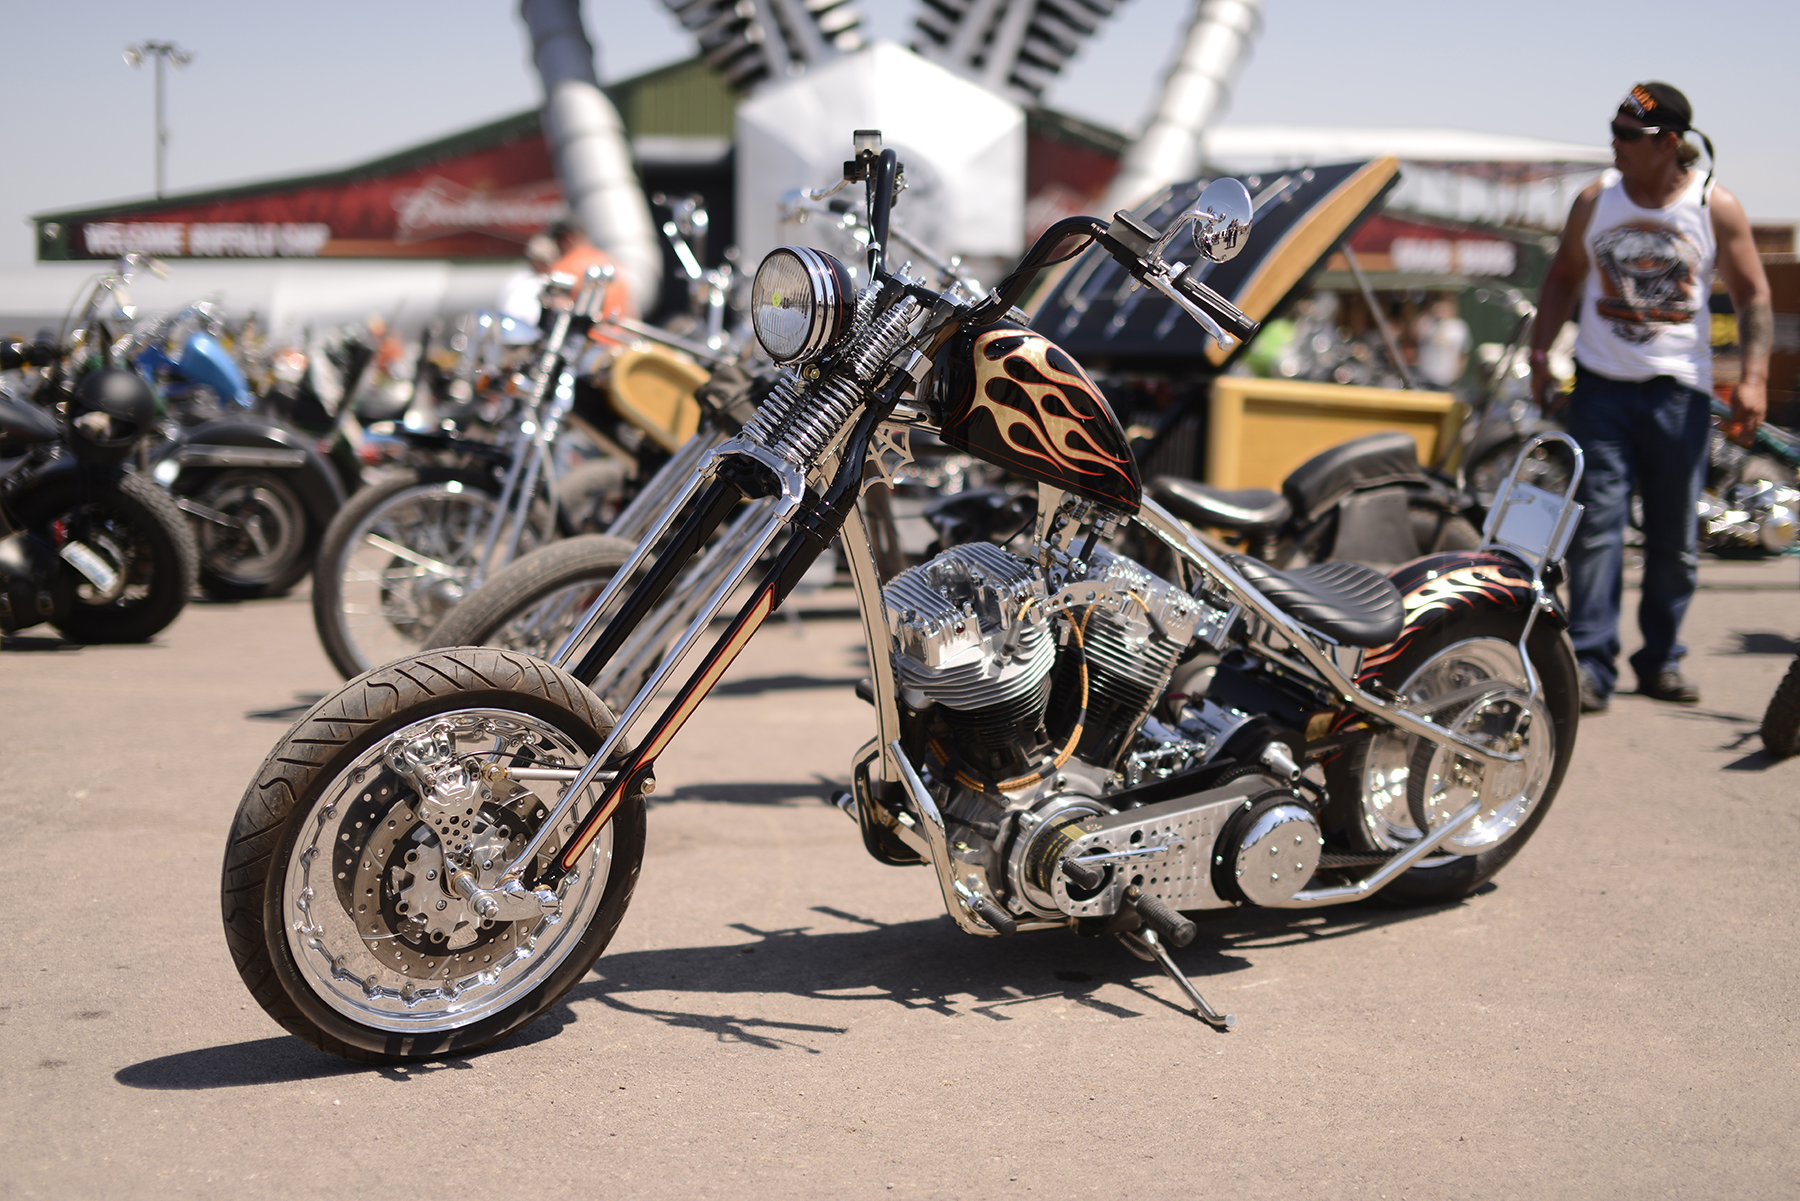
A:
[665,595]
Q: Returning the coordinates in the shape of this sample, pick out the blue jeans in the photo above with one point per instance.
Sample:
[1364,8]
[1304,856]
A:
[1652,435]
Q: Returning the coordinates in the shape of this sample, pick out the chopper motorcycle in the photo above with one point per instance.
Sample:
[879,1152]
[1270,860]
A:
[436,853]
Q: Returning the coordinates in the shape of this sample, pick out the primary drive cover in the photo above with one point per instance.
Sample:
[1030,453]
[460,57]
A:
[1301,215]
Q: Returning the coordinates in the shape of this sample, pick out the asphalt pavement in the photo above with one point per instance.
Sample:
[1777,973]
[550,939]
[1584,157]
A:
[1615,1016]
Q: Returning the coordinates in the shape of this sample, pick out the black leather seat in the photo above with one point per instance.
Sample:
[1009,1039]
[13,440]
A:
[1356,605]
[1317,484]
[1253,509]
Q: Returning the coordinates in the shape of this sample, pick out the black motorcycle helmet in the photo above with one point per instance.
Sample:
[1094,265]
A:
[109,412]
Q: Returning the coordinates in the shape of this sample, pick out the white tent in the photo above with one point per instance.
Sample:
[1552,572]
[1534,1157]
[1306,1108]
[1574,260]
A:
[963,148]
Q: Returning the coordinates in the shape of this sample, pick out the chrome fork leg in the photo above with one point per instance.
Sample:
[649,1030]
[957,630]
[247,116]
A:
[665,670]
[645,545]
[678,609]
[1147,946]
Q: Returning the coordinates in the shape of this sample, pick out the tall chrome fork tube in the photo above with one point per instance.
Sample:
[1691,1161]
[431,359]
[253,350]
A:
[646,508]
[679,607]
[690,485]
[1184,542]
[773,523]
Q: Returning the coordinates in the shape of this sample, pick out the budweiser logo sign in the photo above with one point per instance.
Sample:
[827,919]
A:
[439,206]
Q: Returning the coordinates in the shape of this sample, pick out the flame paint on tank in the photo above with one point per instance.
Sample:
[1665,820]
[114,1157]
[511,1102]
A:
[1012,397]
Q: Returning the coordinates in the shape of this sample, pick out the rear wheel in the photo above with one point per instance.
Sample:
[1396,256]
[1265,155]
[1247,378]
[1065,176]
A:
[268,547]
[1468,677]
[336,893]
[146,556]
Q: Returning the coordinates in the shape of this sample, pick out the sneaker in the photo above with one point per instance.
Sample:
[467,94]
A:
[1592,699]
[1669,686]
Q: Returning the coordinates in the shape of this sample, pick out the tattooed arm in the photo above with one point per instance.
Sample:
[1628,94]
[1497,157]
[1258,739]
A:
[1741,269]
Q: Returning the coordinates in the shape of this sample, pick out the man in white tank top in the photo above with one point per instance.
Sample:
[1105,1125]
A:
[1635,270]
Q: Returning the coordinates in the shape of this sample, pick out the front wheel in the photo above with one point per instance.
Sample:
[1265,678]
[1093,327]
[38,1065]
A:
[398,557]
[1467,675]
[147,560]
[336,892]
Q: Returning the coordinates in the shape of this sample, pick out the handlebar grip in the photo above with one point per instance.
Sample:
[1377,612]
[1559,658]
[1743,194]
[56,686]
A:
[1231,319]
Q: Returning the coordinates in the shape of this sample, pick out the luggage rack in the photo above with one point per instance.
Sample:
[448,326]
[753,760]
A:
[1535,526]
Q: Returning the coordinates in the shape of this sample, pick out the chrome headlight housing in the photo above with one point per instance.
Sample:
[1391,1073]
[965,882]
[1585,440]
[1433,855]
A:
[801,302]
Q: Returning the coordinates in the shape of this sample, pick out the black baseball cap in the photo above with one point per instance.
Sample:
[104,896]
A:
[1659,104]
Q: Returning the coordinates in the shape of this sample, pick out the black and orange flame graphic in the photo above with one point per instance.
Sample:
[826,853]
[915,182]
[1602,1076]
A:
[1050,418]
[1434,588]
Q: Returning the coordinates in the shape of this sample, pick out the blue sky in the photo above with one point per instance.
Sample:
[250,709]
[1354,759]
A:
[281,89]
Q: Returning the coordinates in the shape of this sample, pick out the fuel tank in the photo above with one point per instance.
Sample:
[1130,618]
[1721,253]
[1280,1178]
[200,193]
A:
[1009,396]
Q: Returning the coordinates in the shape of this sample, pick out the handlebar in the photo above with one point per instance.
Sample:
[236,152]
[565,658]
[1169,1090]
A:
[14,355]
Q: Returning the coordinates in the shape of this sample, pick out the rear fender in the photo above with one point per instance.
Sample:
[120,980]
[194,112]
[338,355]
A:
[207,450]
[1439,589]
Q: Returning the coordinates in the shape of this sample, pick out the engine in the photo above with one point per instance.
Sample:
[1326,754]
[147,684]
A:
[1035,702]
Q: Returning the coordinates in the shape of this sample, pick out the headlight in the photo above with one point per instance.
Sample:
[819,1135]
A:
[800,303]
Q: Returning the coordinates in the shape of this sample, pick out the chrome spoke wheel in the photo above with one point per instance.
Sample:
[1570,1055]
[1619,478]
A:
[1476,688]
[408,563]
[371,917]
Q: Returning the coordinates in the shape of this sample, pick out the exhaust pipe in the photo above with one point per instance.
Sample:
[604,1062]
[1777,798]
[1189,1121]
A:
[588,144]
[1195,93]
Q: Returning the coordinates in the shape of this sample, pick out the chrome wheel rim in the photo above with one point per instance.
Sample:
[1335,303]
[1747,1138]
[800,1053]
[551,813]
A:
[408,563]
[269,534]
[370,921]
[1478,688]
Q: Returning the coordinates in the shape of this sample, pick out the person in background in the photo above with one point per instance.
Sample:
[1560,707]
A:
[1638,256]
[577,254]
[519,294]
[1444,344]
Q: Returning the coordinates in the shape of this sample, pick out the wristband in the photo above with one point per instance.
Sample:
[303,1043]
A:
[1539,356]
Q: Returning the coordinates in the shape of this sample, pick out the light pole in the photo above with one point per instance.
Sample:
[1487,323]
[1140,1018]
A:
[162,52]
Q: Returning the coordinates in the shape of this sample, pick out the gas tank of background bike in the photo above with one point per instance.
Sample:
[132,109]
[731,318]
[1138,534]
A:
[23,426]
[1010,396]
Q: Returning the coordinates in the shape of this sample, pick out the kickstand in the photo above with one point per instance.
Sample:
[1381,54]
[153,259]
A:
[1148,947]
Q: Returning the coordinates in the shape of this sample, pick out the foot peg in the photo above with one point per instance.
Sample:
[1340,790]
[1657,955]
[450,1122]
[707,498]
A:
[1176,930]
[1147,946]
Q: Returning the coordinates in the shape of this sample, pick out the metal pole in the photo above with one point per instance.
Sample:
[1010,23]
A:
[162,128]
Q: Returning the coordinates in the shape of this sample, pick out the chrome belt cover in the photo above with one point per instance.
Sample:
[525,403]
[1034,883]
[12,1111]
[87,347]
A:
[1166,849]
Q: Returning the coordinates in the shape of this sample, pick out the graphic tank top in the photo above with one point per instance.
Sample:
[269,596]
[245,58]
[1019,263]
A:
[1644,310]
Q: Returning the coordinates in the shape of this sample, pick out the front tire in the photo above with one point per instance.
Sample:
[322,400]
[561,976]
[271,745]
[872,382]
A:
[334,898]
[395,560]
[273,545]
[1388,787]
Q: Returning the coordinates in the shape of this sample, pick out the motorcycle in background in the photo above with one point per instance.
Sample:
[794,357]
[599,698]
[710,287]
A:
[97,551]
[434,855]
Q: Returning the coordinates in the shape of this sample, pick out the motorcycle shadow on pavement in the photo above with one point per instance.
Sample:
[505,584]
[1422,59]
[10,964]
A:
[926,965]
[917,965]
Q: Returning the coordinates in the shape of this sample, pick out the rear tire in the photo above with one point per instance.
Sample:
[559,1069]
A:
[390,964]
[264,559]
[141,532]
[1374,798]
[1781,722]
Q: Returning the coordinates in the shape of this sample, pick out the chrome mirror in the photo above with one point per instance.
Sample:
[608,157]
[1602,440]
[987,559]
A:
[1221,220]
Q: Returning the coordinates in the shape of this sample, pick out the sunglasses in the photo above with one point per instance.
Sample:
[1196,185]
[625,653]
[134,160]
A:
[1634,133]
